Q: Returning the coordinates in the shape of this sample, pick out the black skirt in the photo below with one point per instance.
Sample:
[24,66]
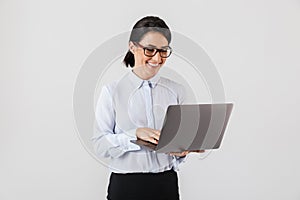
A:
[158,186]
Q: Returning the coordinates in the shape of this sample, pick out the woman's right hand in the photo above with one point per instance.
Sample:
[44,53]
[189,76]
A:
[148,134]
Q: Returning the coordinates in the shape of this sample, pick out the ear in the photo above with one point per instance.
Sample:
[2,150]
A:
[131,47]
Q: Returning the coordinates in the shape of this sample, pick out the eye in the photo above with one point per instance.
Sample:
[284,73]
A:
[150,50]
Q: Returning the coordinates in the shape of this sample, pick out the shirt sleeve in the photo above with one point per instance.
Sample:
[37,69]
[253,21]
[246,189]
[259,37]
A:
[181,159]
[178,160]
[106,142]
[181,94]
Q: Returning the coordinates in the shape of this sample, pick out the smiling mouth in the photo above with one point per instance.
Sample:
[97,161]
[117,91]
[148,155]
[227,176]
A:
[153,65]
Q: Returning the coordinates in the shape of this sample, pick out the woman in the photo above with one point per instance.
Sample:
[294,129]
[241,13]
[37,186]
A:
[133,108]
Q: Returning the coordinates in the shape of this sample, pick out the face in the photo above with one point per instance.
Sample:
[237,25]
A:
[146,67]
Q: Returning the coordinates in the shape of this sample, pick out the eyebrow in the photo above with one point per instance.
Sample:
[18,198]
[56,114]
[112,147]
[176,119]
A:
[150,45]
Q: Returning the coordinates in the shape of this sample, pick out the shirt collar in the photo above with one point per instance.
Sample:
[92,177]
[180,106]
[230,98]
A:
[138,82]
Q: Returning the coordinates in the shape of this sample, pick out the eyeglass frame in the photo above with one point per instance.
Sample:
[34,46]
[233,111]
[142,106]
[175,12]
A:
[156,50]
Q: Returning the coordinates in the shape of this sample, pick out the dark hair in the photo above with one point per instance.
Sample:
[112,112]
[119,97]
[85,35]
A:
[143,26]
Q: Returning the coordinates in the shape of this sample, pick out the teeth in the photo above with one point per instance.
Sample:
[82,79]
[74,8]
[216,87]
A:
[153,65]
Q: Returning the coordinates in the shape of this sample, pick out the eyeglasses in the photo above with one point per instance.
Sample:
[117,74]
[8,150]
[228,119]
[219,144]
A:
[151,51]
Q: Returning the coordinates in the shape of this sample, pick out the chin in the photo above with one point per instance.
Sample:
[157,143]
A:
[153,70]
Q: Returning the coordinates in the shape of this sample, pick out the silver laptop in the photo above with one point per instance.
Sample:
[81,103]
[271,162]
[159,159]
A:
[191,127]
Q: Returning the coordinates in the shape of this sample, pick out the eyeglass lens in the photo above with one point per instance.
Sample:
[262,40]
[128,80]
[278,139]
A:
[152,51]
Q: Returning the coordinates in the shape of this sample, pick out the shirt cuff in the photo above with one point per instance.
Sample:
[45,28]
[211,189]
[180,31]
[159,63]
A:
[181,159]
[131,146]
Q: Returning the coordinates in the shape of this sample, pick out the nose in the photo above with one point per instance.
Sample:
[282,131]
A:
[156,57]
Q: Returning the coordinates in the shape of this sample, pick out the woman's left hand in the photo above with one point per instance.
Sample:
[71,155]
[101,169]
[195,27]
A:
[184,153]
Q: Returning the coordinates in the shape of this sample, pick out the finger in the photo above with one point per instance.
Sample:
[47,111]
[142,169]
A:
[179,154]
[152,140]
[154,135]
[198,151]
[157,132]
[182,154]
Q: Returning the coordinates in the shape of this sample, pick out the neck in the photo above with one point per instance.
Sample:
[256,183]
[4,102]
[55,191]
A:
[141,74]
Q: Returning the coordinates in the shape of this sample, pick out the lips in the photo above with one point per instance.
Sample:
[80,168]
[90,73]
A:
[153,64]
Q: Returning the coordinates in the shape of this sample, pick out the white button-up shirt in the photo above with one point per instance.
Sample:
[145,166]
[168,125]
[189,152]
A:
[124,106]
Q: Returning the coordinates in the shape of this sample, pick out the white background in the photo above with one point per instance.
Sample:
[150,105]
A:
[254,44]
